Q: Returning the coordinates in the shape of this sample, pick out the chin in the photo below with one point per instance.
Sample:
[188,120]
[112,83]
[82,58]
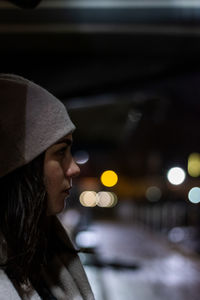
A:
[54,210]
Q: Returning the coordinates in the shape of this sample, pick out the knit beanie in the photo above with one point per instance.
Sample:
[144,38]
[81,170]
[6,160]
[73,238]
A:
[31,120]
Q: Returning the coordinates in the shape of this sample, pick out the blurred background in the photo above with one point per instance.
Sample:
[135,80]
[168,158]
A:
[129,73]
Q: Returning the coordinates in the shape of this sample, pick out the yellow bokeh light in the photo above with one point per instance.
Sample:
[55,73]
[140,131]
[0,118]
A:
[194,164]
[109,178]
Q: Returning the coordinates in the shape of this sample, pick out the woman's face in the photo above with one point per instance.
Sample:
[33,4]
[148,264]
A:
[59,169]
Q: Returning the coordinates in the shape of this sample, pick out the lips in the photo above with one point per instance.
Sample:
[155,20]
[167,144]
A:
[67,190]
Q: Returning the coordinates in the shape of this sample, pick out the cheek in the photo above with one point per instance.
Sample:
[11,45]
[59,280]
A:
[52,175]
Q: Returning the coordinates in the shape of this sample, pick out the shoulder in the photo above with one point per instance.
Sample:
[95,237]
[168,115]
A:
[7,290]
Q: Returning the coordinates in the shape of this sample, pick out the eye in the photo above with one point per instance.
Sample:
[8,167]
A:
[62,151]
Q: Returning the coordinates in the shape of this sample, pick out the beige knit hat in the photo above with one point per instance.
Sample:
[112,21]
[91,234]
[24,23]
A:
[31,120]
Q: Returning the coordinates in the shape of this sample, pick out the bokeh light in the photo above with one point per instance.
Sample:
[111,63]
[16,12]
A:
[194,195]
[81,157]
[176,235]
[153,193]
[176,175]
[194,164]
[109,178]
[87,239]
[101,199]
[88,198]
[106,199]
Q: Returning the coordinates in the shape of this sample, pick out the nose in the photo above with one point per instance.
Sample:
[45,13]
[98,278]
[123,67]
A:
[73,169]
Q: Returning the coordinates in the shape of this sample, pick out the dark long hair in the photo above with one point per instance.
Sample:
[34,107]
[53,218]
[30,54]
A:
[22,222]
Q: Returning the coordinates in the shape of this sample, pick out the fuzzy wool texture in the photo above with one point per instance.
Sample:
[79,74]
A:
[31,120]
[8,291]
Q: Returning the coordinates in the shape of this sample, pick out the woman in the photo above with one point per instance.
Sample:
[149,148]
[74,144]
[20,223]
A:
[37,259]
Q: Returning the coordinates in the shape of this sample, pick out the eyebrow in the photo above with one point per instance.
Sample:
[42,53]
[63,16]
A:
[65,140]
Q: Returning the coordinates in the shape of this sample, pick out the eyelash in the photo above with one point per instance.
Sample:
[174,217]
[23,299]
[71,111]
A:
[62,151]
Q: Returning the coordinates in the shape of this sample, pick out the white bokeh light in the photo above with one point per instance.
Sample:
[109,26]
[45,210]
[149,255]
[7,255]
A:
[176,234]
[106,199]
[176,175]
[194,195]
[81,157]
[87,239]
[88,198]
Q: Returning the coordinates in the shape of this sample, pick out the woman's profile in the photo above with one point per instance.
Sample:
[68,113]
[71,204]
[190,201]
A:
[37,259]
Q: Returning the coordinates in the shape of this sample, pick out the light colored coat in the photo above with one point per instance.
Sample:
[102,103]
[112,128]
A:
[8,291]
[64,276]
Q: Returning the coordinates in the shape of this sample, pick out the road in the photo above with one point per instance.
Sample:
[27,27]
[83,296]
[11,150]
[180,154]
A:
[132,263]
